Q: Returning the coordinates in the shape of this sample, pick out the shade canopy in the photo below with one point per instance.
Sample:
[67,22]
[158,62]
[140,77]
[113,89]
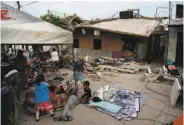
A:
[34,33]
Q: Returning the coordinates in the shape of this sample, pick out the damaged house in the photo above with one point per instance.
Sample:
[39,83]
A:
[115,35]
[175,45]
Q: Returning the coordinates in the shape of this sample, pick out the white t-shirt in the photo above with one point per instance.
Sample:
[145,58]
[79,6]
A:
[26,54]
[54,56]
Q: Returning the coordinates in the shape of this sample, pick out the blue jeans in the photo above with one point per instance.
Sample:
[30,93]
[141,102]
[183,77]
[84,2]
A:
[78,76]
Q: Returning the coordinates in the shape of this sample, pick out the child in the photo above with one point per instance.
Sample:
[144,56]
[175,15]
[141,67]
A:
[58,96]
[87,93]
[41,97]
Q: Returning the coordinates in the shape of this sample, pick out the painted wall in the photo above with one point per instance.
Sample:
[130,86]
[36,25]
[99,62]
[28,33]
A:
[110,41]
[171,55]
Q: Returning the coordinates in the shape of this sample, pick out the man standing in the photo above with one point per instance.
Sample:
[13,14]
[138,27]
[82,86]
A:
[79,69]
[20,63]
[54,59]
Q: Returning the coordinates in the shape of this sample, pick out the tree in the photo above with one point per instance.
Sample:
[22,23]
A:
[53,19]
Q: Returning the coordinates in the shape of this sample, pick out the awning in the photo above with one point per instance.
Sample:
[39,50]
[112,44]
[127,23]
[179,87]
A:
[34,33]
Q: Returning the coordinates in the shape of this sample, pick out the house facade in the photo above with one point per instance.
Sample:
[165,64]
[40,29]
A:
[105,41]
[115,35]
[175,45]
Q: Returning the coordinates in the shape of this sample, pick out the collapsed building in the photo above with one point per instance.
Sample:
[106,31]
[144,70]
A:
[111,37]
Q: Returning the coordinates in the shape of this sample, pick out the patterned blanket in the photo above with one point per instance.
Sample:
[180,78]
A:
[128,101]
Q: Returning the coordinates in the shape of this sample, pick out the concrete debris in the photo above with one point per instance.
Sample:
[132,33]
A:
[107,58]
[114,69]
[90,69]
[155,70]
[99,75]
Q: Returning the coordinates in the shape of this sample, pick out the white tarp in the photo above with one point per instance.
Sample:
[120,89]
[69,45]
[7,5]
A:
[34,33]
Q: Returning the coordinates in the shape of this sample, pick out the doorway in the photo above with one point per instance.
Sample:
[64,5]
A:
[179,50]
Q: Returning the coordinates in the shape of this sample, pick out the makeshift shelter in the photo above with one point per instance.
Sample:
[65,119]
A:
[34,33]
[22,28]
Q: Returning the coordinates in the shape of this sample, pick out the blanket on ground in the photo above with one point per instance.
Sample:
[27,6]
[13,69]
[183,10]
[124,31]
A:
[127,100]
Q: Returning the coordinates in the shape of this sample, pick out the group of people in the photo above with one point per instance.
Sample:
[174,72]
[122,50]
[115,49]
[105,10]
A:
[48,98]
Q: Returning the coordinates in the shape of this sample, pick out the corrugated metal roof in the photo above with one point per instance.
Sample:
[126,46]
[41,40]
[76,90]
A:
[138,27]
[20,16]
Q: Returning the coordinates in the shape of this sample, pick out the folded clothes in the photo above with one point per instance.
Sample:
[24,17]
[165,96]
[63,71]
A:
[106,106]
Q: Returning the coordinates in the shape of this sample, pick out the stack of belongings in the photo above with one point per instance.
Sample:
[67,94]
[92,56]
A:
[128,56]
[116,102]
[172,70]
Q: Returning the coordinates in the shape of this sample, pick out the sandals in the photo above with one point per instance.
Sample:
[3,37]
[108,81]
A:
[52,115]
[67,118]
[57,119]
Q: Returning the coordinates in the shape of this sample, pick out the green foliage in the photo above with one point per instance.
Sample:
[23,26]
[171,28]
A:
[55,20]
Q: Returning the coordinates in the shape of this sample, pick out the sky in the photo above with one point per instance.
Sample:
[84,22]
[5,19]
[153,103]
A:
[93,9]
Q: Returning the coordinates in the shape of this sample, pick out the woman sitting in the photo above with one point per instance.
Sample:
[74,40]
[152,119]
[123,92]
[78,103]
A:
[58,96]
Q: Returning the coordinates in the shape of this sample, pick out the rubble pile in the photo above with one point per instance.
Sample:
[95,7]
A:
[113,65]
[157,75]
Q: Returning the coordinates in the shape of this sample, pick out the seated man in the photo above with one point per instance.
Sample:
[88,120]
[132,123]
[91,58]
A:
[70,104]
[73,99]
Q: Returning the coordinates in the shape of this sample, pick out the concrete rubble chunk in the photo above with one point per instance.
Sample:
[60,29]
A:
[107,58]
[90,69]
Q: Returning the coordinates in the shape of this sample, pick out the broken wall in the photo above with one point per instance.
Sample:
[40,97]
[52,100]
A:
[92,53]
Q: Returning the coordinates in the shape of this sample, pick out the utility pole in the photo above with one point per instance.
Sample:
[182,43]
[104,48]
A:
[167,42]
[170,12]
[18,5]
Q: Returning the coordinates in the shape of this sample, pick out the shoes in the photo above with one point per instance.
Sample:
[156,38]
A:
[57,119]
[70,118]
[64,118]
[52,115]
[37,120]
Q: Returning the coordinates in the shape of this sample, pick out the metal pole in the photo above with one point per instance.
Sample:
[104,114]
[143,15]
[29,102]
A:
[73,60]
[170,12]
[167,42]
[18,5]
[73,52]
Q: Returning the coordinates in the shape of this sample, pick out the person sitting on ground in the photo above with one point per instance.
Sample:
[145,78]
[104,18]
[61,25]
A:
[41,97]
[34,74]
[87,93]
[73,96]
[58,96]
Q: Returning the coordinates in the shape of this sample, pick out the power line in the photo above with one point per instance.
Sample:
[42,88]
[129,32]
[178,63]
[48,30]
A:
[29,4]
